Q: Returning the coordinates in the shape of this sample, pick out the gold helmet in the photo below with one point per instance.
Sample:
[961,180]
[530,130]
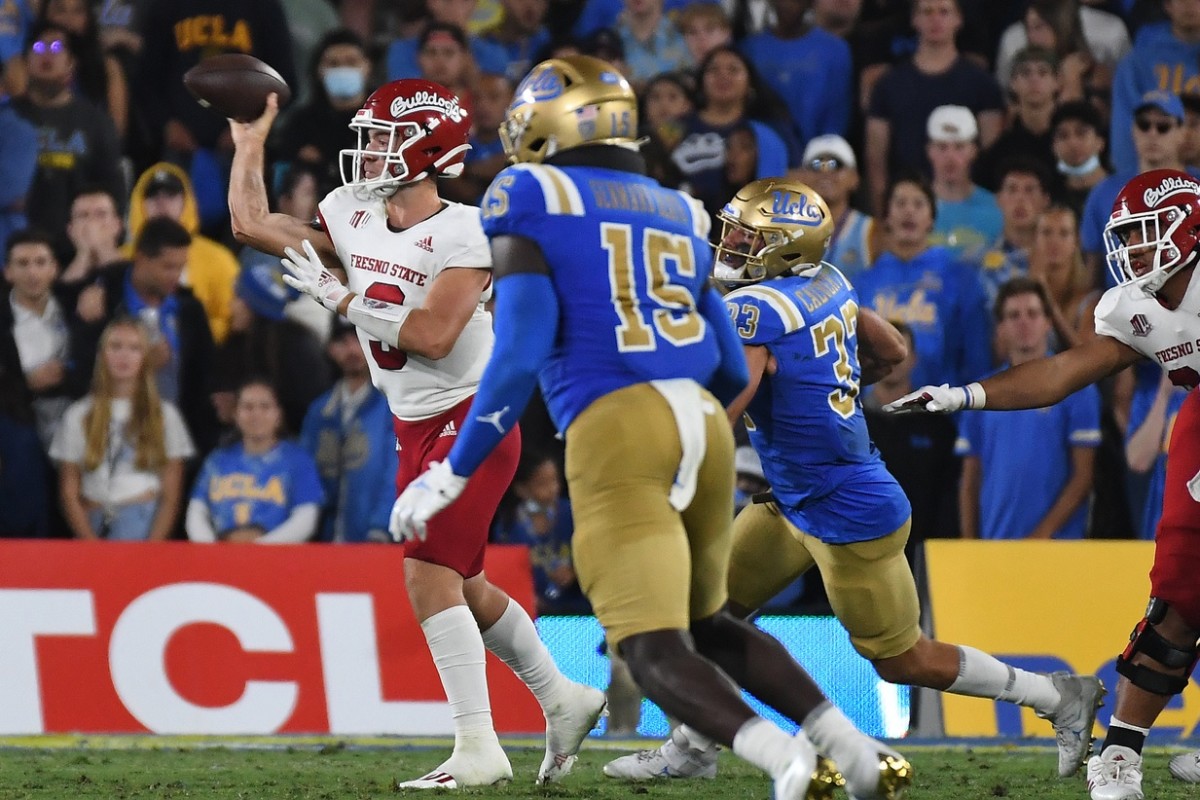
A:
[567,102]
[771,227]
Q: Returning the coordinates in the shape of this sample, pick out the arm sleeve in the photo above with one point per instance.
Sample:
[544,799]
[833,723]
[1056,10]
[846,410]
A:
[526,327]
[197,523]
[732,375]
[300,526]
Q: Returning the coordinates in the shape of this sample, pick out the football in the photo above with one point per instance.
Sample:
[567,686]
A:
[235,85]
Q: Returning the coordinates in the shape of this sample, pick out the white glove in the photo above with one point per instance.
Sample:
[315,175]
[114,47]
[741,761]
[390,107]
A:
[309,275]
[944,399]
[432,491]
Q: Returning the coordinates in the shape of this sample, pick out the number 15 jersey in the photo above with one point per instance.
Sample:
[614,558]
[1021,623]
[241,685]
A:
[805,421]
[628,260]
[399,267]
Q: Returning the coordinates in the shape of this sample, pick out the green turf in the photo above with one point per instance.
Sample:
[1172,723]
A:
[336,772]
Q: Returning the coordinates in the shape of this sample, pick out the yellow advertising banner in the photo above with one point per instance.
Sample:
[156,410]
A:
[1043,606]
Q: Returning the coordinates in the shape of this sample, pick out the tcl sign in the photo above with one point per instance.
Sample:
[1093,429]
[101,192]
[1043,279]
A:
[182,638]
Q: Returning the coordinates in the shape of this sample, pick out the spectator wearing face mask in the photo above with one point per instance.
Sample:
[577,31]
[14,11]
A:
[317,132]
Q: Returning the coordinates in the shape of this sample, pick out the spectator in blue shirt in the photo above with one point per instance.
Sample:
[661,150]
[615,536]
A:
[598,14]
[941,299]
[1152,415]
[1022,195]
[540,518]
[485,159]
[348,432]
[1157,130]
[261,489]
[810,68]
[652,42]
[18,163]
[830,166]
[968,219]
[401,58]
[1164,58]
[1054,486]
[522,34]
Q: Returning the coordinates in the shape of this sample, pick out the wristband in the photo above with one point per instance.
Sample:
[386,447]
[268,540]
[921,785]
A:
[976,397]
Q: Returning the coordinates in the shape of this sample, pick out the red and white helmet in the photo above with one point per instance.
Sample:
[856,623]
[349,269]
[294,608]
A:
[1154,229]
[407,130]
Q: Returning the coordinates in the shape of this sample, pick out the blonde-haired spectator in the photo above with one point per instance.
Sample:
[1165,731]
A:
[705,27]
[1056,262]
[121,449]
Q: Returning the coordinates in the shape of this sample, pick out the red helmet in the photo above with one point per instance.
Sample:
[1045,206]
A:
[407,130]
[1154,228]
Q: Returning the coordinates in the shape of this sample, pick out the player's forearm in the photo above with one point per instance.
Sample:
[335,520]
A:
[1045,381]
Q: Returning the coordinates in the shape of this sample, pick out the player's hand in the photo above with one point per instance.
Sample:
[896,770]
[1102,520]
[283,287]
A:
[307,274]
[944,399]
[435,489]
[256,131]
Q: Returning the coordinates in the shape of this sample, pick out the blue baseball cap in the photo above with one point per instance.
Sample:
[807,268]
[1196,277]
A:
[1166,102]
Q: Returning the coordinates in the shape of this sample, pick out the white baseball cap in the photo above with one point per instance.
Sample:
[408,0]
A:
[952,124]
[830,145]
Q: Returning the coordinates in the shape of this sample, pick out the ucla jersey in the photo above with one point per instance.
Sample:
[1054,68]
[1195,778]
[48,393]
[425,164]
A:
[628,261]
[262,489]
[805,420]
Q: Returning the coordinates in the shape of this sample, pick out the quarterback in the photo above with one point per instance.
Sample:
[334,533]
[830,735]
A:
[835,504]
[418,272]
[602,293]
[1152,241]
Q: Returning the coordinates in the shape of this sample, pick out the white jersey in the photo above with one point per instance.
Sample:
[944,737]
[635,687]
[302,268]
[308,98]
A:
[400,267]
[1169,338]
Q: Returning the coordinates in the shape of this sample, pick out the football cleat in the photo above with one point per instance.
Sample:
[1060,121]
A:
[677,757]
[485,766]
[1186,767]
[1081,696]
[877,773]
[1115,774]
[567,725]
[807,777]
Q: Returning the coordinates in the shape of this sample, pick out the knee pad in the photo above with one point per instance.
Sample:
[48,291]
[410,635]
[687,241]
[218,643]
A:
[1149,642]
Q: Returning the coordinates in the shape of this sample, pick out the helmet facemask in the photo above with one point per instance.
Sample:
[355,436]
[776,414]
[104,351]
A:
[1141,249]
[403,140]
[739,253]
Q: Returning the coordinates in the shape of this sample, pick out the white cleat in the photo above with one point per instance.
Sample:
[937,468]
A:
[807,777]
[1081,696]
[876,772]
[477,767]
[677,757]
[567,725]
[1115,774]
[1186,767]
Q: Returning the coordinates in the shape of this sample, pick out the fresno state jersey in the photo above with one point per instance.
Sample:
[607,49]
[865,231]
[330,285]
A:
[1169,338]
[400,267]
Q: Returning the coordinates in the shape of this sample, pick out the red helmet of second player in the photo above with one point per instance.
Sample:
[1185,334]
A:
[407,130]
[1154,229]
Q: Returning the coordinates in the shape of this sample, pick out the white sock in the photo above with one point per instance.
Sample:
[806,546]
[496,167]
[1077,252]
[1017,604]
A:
[695,738]
[982,675]
[832,733]
[515,641]
[458,652]
[1116,723]
[764,745]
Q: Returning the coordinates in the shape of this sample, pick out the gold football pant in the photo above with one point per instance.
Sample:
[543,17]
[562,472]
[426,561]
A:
[870,584]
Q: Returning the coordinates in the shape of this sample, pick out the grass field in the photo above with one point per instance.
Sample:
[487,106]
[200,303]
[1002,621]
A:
[168,768]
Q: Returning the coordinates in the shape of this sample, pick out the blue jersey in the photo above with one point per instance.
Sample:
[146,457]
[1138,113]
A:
[805,420]
[262,489]
[628,262]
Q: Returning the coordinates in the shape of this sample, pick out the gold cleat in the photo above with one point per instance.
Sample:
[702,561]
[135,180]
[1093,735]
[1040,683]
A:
[826,779]
[895,776]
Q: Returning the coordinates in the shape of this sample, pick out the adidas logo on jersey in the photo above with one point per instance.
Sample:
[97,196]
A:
[426,244]
[450,430]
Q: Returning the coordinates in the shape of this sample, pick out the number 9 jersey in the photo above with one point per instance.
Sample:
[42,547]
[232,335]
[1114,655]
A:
[805,421]
[628,261]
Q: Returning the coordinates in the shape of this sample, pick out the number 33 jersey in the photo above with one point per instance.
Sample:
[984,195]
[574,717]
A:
[805,421]
[628,260]
[400,267]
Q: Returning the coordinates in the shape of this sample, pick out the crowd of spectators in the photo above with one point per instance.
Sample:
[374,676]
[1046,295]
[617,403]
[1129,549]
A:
[969,150]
